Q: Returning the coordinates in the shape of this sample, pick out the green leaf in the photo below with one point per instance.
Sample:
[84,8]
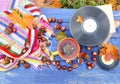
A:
[81,3]
[60,36]
[21,15]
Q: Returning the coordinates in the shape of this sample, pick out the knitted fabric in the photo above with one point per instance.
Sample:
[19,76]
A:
[25,34]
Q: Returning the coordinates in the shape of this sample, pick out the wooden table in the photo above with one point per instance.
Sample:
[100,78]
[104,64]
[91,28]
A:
[52,76]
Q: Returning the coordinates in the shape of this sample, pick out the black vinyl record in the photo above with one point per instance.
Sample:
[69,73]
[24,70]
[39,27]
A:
[95,26]
[104,66]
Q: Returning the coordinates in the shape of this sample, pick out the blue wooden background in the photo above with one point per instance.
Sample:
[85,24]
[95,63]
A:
[52,76]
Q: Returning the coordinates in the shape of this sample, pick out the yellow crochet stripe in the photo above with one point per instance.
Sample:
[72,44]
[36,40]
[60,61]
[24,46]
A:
[3,69]
[32,61]
[46,50]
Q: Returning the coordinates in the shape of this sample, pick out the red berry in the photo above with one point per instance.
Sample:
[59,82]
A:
[22,61]
[24,50]
[75,66]
[94,59]
[11,60]
[53,62]
[70,62]
[27,45]
[48,62]
[57,63]
[59,21]
[43,39]
[53,20]
[26,65]
[49,19]
[63,29]
[48,43]
[7,46]
[58,67]
[94,53]
[17,66]
[88,63]
[64,67]
[42,47]
[92,65]
[82,54]
[14,29]
[40,33]
[11,25]
[57,27]
[44,59]
[87,57]
[8,30]
[89,48]
[69,68]
[80,60]
[89,68]
[42,28]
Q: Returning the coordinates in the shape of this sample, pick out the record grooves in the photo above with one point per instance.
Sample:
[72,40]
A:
[94,29]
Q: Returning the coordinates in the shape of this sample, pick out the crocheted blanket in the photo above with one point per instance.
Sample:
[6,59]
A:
[24,34]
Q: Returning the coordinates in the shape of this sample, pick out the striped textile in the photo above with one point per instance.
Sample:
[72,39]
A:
[9,65]
[34,10]
[18,39]
[11,4]
[16,45]
[27,7]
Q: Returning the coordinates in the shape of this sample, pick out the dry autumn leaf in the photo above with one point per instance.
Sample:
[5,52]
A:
[25,20]
[118,7]
[79,19]
[56,4]
[117,23]
[38,3]
[28,20]
[113,2]
[110,50]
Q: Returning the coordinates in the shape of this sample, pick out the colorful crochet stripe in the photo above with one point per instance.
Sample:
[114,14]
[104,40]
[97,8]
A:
[11,4]
[6,66]
[12,39]
[34,10]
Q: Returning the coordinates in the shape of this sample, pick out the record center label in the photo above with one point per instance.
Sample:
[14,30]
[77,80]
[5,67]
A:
[90,25]
[106,62]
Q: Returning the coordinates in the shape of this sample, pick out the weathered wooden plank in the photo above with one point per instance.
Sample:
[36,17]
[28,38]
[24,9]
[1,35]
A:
[64,14]
[69,12]
[48,76]
[57,11]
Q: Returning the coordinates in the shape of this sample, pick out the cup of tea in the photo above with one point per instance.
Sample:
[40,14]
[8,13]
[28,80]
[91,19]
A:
[68,49]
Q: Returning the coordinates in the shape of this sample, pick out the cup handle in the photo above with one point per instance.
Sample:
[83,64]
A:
[53,55]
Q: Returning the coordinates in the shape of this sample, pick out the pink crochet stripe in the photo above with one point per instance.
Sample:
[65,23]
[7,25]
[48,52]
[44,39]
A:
[5,4]
[20,30]
[7,38]
[31,38]
[10,65]
[46,24]
[13,35]
[34,10]
[29,6]
[35,54]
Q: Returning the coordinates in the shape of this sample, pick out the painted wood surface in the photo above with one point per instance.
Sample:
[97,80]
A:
[51,75]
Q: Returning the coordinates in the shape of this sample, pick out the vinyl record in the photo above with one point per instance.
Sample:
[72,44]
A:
[104,66]
[95,26]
